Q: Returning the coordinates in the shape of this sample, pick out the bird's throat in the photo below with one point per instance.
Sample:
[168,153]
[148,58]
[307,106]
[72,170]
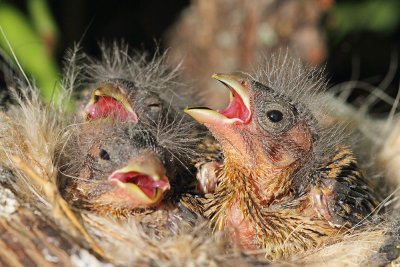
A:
[264,183]
[240,227]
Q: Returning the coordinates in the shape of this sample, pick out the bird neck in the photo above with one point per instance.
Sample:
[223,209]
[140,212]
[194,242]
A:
[263,183]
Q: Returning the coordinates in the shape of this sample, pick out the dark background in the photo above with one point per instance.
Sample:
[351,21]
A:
[361,53]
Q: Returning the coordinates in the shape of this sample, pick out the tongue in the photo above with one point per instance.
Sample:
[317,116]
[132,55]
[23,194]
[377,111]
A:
[109,107]
[236,109]
[144,182]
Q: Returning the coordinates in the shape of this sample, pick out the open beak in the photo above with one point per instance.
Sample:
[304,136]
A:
[144,180]
[238,111]
[108,101]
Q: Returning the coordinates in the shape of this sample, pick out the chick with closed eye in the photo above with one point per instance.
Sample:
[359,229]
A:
[120,168]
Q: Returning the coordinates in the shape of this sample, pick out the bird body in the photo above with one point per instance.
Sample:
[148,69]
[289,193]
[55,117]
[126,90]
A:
[289,223]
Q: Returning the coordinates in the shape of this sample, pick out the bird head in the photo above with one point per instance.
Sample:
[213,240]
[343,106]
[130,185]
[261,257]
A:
[120,169]
[260,130]
[139,183]
[121,100]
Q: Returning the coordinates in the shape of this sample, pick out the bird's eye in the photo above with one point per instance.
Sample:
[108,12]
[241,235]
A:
[276,117]
[152,102]
[154,106]
[104,155]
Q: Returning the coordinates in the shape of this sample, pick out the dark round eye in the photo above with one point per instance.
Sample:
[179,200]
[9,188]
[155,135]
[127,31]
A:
[274,115]
[104,155]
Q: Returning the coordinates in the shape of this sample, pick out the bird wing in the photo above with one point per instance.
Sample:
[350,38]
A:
[340,192]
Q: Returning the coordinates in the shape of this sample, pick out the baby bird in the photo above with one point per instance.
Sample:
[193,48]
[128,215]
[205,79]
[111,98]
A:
[286,184]
[119,168]
[122,100]
[127,86]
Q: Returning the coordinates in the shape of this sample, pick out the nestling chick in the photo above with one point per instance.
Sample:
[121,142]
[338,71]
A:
[119,168]
[121,100]
[286,183]
[130,87]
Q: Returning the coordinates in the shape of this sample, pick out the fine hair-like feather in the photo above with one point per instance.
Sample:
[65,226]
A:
[151,73]
[305,88]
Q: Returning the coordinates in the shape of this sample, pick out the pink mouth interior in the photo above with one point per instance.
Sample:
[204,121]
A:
[108,107]
[237,109]
[144,182]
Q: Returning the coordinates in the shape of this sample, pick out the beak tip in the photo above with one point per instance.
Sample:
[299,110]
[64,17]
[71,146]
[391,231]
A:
[215,76]
[188,111]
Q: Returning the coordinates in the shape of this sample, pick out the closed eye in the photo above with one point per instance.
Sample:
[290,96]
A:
[154,105]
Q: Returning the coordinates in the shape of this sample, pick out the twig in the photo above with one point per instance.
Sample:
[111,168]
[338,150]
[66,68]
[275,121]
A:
[51,192]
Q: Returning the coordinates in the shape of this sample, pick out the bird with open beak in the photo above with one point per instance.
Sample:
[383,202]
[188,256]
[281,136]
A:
[287,182]
[131,86]
[122,100]
[120,168]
